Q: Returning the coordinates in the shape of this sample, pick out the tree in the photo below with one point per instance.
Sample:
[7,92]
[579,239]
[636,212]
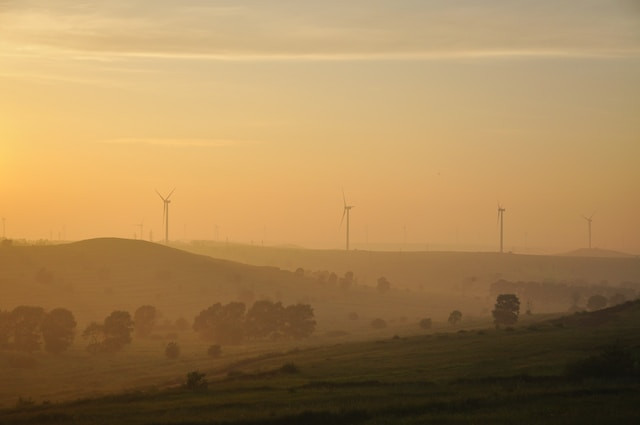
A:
[264,319]
[94,332]
[596,302]
[455,317]
[506,310]
[299,272]
[25,321]
[58,330]
[298,321]
[347,280]
[196,381]
[425,323]
[144,320]
[172,351]
[117,330]
[221,324]
[383,285]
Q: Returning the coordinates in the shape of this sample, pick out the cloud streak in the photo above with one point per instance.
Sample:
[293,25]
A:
[178,143]
[359,30]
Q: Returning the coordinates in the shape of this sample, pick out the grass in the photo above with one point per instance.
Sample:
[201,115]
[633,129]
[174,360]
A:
[494,377]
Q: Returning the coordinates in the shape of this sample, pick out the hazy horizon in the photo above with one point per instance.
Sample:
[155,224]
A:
[259,114]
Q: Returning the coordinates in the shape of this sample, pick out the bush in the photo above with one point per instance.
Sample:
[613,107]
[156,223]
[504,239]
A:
[378,323]
[455,317]
[289,368]
[172,351]
[196,381]
[425,323]
[214,351]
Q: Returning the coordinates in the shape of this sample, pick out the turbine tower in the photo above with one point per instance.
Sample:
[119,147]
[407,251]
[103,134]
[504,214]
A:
[141,227]
[501,220]
[346,211]
[589,220]
[165,213]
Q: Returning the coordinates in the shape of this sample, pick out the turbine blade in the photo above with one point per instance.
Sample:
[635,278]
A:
[344,212]
[170,193]
[344,198]
[159,195]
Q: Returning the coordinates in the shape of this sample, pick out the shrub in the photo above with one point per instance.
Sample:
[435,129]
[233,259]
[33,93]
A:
[289,368]
[214,351]
[196,381]
[506,310]
[455,317]
[172,351]
[425,323]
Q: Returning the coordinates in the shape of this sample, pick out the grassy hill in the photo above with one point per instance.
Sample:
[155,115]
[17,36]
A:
[502,376]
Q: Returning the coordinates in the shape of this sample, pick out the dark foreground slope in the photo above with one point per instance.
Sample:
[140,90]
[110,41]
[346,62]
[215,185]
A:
[532,374]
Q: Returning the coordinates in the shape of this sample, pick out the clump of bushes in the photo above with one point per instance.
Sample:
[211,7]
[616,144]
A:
[289,368]
[196,381]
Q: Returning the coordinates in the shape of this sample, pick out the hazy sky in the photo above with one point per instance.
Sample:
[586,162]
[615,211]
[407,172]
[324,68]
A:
[259,112]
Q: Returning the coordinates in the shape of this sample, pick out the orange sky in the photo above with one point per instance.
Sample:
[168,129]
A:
[259,113]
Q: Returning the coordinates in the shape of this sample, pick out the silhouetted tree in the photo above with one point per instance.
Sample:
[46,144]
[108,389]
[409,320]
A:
[6,329]
[117,330]
[26,321]
[172,351]
[196,381]
[94,333]
[332,279]
[299,272]
[298,321]
[144,320]
[383,285]
[347,280]
[264,319]
[506,310]
[425,323]
[221,324]
[454,317]
[58,330]
[596,302]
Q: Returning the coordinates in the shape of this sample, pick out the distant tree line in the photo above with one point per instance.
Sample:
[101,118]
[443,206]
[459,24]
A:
[233,323]
[26,328]
[562,296]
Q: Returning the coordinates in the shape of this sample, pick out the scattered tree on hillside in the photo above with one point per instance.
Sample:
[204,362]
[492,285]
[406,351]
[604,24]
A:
[383,285]
[332,279]
[506,310]
[26,321]
[454,317]
[596,302]
[347,280]
[298,321]
[144,320]
[221,324]
[58,330]
[110,336]
[5,329]
[425,323]
[299,272]
[172,351]
[196,381]
[264,319]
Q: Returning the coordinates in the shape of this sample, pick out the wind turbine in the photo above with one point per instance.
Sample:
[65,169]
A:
[141,227]
[165,213]
[589,220]
[346,211]
[501,220]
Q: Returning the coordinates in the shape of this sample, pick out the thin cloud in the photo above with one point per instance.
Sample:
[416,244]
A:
[180,143]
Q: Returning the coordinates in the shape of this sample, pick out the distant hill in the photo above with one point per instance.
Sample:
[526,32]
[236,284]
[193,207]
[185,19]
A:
[597,252]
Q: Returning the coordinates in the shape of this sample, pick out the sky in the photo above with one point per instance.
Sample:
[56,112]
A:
[260,113]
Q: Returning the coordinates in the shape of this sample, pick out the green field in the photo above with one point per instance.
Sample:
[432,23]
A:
[347,372]
[480,376]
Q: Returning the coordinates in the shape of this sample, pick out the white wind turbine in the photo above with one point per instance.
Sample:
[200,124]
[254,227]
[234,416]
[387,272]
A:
[346,211]
[589,220]
[165,213]
[501,220]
